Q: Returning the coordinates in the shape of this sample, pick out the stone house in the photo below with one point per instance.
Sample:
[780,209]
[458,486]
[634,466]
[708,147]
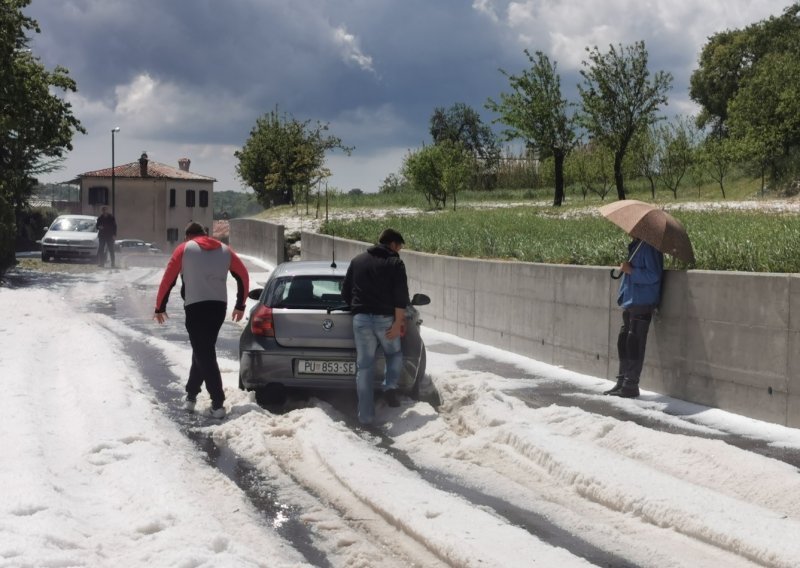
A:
[151,201]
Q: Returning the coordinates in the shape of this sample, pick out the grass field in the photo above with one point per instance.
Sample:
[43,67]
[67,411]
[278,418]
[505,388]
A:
[523,225]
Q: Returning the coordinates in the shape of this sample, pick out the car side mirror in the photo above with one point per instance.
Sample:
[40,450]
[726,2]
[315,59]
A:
[420,300]
[255,293]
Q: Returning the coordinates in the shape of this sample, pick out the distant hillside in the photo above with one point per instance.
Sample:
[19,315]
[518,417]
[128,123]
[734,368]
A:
[235,204]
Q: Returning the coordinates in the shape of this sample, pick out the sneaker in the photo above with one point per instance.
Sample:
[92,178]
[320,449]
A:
[391,398]
[189,404]
[217,412]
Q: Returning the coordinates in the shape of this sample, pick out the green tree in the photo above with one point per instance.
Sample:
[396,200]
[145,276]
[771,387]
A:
[393,183]
[461,124]
[644,152]
[716,156]
[536,112]
[748,86]
[676,153]
[620,98]
[439,171]
[36,124]
[590,165]
[284,157]
[732,57]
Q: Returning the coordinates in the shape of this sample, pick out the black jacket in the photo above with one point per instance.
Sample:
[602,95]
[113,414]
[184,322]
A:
[106,226]
[376,282]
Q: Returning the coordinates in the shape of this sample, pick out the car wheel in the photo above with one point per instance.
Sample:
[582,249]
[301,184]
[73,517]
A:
[271,395]
[45,257]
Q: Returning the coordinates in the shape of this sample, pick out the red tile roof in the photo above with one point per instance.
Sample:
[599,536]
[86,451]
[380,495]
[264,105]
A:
[154,170]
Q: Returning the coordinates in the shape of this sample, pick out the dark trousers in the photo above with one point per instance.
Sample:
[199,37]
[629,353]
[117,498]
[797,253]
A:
[632,341]
[203,322]
[105,243]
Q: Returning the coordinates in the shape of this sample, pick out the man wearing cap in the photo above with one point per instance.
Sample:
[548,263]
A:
[376,288]
[203,263]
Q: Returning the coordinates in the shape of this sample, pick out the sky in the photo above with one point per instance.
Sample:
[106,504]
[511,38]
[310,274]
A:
[98,470]
[189,78]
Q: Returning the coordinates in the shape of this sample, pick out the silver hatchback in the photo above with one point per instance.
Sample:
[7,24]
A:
[300,334]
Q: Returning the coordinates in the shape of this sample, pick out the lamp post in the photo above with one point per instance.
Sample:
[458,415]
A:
[113,193]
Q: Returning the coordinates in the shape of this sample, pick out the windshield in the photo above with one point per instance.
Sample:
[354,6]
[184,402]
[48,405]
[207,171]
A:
[82,225]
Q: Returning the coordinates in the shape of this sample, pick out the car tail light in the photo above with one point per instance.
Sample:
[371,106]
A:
[261,322]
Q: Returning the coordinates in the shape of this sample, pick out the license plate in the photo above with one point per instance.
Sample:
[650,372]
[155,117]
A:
[311,367]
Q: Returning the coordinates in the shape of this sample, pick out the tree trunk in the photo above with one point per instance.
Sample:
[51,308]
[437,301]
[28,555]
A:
[618,174]
[558,159]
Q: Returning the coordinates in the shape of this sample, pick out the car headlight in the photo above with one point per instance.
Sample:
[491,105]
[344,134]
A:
[49,240]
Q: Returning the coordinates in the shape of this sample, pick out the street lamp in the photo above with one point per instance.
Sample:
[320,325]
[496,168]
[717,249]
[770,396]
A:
[113,193]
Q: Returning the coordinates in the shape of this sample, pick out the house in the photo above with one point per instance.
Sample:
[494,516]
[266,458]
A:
[151,201]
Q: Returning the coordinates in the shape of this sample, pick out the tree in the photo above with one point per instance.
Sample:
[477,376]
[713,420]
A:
[716,155]
[590,165]
[644,156]
[461,124]
[284,157]
[732,57]
[439,171]
[536,112]
[36,125]
[393,183]
[748,85]
[676,153]
[620,99]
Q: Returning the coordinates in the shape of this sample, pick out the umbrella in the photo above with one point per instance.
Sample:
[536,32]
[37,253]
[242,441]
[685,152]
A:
[652,225]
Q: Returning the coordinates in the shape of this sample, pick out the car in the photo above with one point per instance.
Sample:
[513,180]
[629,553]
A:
[300,335]
[71,236]
[135,245]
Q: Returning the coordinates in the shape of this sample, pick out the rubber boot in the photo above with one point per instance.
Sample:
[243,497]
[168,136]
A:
[616,388]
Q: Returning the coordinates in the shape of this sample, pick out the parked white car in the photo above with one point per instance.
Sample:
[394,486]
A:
[71,236]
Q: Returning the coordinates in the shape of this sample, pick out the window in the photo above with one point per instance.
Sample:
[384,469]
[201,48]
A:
[203,198]
[172,235]
[189,198]
[98,195]
[306,292]
[172,197]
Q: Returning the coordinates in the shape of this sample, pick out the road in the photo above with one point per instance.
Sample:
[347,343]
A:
[530,455]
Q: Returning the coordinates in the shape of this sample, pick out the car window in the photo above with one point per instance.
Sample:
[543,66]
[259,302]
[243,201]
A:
[83,225]
[306,292]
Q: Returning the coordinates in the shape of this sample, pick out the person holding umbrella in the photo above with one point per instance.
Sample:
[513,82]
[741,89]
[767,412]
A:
[654,232]
[639,296]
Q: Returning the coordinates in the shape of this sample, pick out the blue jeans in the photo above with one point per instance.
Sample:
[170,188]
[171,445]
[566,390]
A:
[369,330]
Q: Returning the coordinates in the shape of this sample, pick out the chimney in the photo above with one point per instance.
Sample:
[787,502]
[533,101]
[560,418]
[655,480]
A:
[183,164]
[143,164]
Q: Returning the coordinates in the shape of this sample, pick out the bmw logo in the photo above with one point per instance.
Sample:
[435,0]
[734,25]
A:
[327,324]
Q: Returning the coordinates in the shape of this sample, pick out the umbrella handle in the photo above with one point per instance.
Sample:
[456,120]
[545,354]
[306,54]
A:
[618,276]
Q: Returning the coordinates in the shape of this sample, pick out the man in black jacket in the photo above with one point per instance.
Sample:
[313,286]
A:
[376,288]
[106,233]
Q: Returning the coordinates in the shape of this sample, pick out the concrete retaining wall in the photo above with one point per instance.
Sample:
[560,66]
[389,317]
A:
[259,239]
[722,339]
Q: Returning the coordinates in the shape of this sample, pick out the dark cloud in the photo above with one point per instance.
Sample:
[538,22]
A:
[199,72]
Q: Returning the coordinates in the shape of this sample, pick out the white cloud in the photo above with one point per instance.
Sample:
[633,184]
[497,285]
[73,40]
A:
[487,8]
[351,52]
[151,107]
